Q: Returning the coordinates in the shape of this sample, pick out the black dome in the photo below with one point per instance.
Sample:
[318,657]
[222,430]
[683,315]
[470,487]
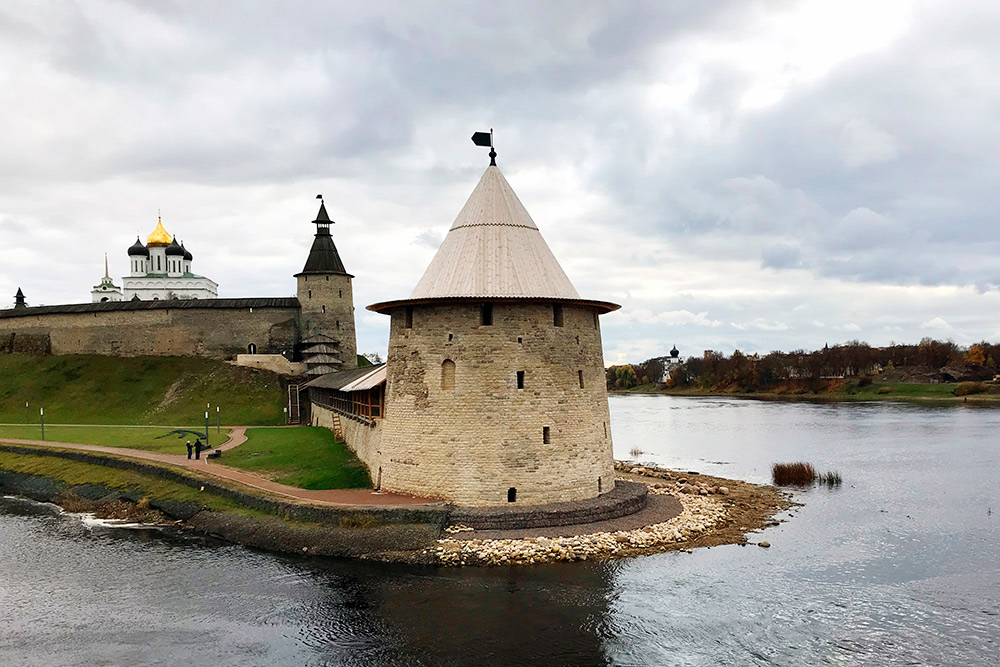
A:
[187,253]
[675,352]
[174,248]
[138,249]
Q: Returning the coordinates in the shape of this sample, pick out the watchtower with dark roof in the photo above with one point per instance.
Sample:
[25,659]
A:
[326,296]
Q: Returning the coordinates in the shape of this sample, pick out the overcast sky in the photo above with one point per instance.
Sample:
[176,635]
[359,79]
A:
[738,175]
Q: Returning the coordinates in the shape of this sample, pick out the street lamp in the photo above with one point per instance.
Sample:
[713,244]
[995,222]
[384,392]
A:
[218,420]
[286,415]
[41,417]
[206,427]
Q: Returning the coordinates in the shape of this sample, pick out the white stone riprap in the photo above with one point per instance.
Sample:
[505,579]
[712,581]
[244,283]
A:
[701,513]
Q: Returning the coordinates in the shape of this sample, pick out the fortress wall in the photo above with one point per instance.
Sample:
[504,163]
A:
[470,444]
[209,332]
[362,439]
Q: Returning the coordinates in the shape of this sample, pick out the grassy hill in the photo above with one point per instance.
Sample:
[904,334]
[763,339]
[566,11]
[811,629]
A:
[83,389]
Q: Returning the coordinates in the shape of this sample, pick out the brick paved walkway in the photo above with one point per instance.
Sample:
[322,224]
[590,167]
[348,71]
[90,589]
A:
[237,437]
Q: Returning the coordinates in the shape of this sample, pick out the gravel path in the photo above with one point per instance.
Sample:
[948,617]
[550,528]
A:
[336,497]
[658,509]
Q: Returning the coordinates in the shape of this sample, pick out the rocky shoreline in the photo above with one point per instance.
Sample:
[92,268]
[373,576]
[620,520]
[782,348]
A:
[686,510]
[714,511]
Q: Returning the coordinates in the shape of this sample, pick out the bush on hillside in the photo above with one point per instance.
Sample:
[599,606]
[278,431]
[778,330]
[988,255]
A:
[967,388]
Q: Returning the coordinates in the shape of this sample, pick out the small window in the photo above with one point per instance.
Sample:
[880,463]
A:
[448,375]
[520,379]
[324,308]
[340,293]
[579,375]
[451,337]
[310,294]
[338,321]
[512,495]
[546,435]
[408,317]
[252,348]
[486,315]
[599,485]
[520,341]
[557,314]
[605,430]
[595,319]
[327,278]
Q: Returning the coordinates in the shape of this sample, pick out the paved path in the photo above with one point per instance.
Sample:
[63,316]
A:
[237,436]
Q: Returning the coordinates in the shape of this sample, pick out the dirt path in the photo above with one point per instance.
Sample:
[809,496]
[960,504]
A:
[237,436]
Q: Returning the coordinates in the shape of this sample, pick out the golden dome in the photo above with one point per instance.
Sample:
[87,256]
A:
[159,238]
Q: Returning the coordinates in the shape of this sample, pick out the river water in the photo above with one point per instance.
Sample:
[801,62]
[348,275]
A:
[900,566]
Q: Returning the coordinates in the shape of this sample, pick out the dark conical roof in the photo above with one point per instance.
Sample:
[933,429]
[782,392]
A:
[138,249]
[323,256]
[187,253]
[322,216]
[174,248]
[675,352]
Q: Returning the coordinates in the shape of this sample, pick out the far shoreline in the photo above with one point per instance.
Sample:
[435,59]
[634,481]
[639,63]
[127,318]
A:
[979,400]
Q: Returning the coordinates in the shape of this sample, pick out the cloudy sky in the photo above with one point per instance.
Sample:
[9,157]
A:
[738,175]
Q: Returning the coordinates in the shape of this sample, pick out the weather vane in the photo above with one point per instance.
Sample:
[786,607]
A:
[486,139]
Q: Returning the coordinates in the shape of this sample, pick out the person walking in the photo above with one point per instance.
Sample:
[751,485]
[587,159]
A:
[189,449]
[197,448]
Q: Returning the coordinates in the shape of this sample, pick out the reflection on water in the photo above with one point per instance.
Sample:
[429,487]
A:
[898,566]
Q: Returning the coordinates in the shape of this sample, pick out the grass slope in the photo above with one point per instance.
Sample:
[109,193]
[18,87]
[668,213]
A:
[84,389]
[304,457]
[74,472]
[145,438]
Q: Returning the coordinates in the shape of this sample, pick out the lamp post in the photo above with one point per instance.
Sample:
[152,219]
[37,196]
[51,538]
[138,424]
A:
[206,427]
[286,415]
[218,420]
[41,418]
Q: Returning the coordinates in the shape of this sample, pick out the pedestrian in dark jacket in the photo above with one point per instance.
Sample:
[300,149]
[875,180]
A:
[189,449]
[197,448]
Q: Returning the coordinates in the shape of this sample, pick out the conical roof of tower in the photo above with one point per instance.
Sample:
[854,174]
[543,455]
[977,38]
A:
[323,256]
[494,251]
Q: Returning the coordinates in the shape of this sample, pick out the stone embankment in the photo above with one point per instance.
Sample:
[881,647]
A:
[700,515]
[715,511]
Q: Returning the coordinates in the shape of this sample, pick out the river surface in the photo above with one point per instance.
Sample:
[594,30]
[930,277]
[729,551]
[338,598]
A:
[900,566]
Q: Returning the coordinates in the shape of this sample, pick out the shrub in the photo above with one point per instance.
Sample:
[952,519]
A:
[966,388]
[864,382]
[797,474]
[883,390]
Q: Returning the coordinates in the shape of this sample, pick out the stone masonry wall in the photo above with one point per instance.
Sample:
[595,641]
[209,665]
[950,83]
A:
[210,332]
[361,438]
[328,308]
[470,444]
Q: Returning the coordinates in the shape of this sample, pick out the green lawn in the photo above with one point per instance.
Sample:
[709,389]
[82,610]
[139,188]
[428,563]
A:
[86,389]
[304,457]
[144,437]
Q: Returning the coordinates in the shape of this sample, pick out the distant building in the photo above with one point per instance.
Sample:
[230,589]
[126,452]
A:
[107,290]
[161,271]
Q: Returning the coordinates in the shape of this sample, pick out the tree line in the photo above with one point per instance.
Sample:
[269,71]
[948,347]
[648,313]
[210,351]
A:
[749,372]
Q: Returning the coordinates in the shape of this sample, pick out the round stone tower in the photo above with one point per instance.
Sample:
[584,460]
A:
[324,291]
[495,389]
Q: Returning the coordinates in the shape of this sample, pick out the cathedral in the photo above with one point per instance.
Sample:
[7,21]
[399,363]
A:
[160,270]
